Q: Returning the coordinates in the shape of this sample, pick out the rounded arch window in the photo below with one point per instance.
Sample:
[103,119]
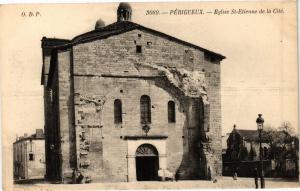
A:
[118,111]
[171,112]
[145,104]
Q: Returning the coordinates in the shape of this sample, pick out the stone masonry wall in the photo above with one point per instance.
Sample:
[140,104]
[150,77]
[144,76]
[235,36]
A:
[100,70]
[215,119]
[106,157]
[117,54]
[66,113]
[47,113]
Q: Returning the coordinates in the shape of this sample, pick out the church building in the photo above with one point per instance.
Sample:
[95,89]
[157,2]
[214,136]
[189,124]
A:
[123,101]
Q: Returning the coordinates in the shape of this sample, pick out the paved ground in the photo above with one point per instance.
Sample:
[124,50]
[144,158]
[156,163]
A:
[224,182]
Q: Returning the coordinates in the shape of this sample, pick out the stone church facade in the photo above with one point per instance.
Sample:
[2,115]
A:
[123,101]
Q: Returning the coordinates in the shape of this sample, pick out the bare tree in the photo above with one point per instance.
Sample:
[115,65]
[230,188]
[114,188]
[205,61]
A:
[287,127]
[278,138]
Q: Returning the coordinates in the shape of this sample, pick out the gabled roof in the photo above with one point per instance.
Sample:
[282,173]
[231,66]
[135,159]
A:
[253,135]
[110,30]
[51,42]
[39,135]
[248,135]
[125,26]
[48,44]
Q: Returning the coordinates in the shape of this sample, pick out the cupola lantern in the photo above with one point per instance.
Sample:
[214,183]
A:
[124,12]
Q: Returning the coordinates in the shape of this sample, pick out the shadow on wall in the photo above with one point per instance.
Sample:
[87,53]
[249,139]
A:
[193,164]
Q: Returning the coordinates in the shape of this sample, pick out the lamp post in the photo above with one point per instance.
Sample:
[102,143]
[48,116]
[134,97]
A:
[260,125]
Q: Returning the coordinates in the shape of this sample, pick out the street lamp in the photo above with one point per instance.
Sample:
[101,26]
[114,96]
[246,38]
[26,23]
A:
[260,125]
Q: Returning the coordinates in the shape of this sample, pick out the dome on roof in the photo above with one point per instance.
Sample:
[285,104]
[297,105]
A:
[124,12]
[99,24]
[124,5]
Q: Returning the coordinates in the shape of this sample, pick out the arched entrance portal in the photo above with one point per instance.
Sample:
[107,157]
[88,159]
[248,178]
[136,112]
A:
[147,163]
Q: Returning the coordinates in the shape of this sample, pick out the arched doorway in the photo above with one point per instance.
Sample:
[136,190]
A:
[147,163]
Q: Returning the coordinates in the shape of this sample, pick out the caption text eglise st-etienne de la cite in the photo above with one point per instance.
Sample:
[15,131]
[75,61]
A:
[218,12]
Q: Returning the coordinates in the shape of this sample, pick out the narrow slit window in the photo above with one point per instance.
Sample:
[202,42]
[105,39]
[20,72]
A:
[206,56]
[138,49]
[118,111]
[171,112]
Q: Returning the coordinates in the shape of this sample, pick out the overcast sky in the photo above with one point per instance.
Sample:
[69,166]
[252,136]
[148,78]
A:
[258,76]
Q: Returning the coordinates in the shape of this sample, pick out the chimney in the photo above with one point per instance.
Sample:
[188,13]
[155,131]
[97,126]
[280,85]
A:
[39,133]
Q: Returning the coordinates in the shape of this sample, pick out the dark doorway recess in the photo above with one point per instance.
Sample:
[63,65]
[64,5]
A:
[146,168]
[147,163]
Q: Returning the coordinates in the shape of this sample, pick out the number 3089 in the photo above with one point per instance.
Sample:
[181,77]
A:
[152,12]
